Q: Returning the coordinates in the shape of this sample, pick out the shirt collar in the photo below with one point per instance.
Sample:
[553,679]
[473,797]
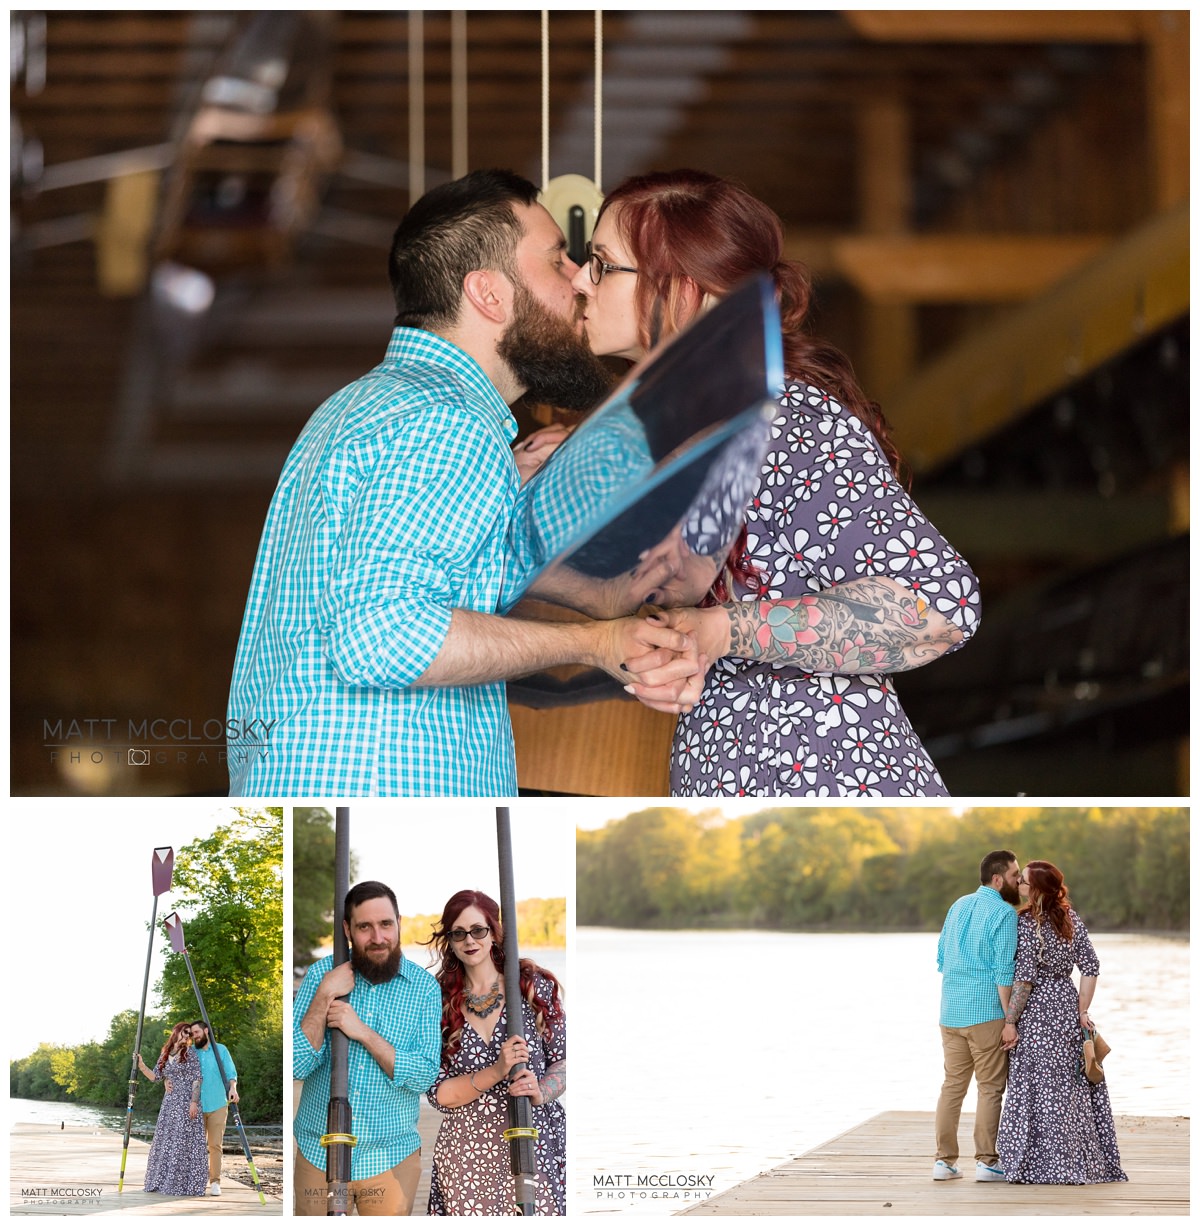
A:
[416,347]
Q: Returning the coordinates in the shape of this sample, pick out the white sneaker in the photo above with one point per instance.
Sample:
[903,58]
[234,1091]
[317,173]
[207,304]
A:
[988,1174]
[945,1170]
[214,1188]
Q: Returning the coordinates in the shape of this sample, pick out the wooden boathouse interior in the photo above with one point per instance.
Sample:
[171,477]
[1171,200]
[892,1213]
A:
[994,207]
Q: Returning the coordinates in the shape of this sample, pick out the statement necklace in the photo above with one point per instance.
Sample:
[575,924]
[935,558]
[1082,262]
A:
[487,1002]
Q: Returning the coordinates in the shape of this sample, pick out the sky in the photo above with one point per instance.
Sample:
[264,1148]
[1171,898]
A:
[81,897]
[428,850]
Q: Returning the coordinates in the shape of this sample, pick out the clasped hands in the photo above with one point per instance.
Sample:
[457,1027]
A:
[514,1051]
[663,657]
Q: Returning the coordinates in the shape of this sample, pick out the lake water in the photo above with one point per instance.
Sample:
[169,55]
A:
[722,1054]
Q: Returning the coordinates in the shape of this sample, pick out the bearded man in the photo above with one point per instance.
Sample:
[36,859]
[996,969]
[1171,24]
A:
[392,1018]
[976,957]
[372,659]
[215,1096]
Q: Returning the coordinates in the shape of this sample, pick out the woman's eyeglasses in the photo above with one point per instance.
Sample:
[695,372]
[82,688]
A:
[459,935]
[597,266]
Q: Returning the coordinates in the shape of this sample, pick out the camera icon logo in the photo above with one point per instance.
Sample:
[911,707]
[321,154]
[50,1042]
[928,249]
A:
[139,757]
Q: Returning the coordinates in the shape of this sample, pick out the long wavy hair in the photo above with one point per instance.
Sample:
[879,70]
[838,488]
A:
[1049,898]
[452,978]
[170,1043]
[695,236]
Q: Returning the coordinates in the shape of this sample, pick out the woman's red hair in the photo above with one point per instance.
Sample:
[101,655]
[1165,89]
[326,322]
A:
[1048,897]
[166,1048]
[453,981]
[692,234]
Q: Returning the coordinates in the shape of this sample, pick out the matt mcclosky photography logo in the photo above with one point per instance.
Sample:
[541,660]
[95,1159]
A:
[60,1195]
[635,1189]
[155,741]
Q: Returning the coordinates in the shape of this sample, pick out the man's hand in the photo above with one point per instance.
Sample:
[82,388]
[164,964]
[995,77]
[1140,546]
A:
[341,1016]
[338,982]
[233,1094]
[1008,1036]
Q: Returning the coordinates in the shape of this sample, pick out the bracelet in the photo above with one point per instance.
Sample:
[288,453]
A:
[471,1079]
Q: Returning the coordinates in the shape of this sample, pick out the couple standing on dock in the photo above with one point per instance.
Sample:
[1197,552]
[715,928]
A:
[1011,1016]
[185,1156]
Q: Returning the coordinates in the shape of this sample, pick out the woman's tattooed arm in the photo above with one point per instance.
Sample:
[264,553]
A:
[865,626]
[1017,1002]
[554,1083]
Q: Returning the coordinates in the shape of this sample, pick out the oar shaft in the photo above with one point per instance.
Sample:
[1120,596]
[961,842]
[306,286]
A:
[338,1120]
[523,1156]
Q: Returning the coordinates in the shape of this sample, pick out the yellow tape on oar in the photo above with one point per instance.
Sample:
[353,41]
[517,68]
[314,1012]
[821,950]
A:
[338,1138]
[519,1134]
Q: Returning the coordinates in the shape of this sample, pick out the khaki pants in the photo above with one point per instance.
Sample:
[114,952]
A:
[388,1195]
[972,1050]
[214,1131]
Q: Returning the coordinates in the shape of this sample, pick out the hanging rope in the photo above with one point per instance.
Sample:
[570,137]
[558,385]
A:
[597,101]
[458,94]
[545,98]
[416,105]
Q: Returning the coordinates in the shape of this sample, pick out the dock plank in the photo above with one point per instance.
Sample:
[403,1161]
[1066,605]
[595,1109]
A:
[64,1172]
[883,1167]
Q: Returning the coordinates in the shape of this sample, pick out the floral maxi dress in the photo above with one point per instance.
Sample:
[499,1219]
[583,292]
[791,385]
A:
[472,1176]
[828,510]
[1056,1127]
[178,1161]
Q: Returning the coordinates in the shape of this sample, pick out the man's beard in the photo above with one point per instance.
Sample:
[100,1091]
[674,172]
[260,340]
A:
[549,359]
[202,1041]
[1010,894]
[376,972]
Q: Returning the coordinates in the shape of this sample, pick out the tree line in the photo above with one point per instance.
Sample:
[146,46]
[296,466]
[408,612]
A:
[873,870]
[228,889]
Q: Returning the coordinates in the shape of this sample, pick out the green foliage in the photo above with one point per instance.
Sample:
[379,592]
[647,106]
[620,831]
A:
[873,869]
[229,891]
[312,880]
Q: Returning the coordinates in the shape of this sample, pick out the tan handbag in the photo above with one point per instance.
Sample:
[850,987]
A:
[1094,1051]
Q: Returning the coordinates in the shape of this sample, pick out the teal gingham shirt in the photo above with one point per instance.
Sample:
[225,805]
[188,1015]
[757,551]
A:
[393,509]
[213,1093]
[407,1011]
[976,952]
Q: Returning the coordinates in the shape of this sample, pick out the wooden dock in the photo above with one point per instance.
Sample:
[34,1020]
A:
[59,1172]
[884,1167]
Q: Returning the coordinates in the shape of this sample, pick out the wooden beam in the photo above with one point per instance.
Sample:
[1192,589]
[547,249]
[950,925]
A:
[960,267]
[1136,287]
[1168,81]
[996,26]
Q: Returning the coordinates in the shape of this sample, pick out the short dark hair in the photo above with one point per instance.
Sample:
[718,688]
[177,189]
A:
[364,892]
[994,862]
[454,229]
[201,1022]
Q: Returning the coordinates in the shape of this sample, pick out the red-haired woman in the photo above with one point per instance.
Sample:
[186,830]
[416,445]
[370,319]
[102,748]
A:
[839,580]
[1056,1126]
[472,1175]
[178,1161]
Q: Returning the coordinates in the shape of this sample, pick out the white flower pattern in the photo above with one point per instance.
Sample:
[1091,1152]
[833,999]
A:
[827,509]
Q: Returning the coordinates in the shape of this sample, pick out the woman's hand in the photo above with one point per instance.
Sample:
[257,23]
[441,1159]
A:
[1085,1019]
[532,452]
[525,1085]
[514,1050]
[193,1111]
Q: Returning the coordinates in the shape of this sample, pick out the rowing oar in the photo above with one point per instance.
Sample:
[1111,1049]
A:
[174,927]
[338,1139]
[520,1133]
[161,865]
